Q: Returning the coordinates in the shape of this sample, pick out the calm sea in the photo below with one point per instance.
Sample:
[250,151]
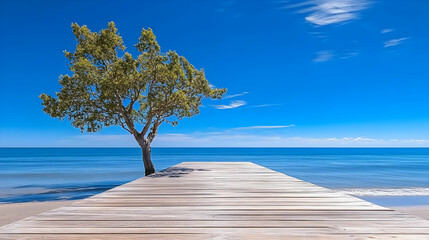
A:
[381,175]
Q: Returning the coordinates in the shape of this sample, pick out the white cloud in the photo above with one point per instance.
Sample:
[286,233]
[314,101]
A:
[327,55]
[266,127]
[232,104]
[387,30]
[263,105]
[235,95]
[225,138]
[323,56]
[394,42]
[325,12]
[231,138]
[350,54]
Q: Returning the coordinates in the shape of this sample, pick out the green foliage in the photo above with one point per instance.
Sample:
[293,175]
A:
[106,89]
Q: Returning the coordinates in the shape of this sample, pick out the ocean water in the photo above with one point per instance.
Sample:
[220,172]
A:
[398,176]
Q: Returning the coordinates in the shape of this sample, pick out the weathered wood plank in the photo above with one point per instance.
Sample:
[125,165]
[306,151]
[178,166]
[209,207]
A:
[242,236]
[412,224]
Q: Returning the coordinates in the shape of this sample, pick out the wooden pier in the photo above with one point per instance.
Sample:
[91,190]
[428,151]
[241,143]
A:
[219,200]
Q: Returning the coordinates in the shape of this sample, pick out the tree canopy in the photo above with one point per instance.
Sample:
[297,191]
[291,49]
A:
[136,93]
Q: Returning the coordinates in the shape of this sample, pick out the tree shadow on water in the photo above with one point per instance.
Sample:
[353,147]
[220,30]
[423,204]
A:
[175,172]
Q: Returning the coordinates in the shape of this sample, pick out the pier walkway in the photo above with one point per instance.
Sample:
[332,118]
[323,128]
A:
[219,200]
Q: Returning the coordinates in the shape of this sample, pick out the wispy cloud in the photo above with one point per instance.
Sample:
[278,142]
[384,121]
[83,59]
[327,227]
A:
[266,127]
[327,55]
[235,95]
[395,42]
[323,56]
[387,30]
[262,105]
[225,138]
[232,104]
[231,138]
[319,34]
[325,12]
[350,54]
[239,103]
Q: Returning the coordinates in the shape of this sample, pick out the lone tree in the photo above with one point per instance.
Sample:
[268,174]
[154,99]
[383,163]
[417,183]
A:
[138,94]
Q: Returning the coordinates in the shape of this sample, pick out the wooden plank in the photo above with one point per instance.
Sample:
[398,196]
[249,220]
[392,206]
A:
[417,224]
[219,200]
[241,236]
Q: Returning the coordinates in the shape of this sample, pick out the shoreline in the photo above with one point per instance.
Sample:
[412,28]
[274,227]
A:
[12,212]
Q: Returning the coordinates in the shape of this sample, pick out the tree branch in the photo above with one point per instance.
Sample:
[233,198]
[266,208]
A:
[128,121]
[154,130]
[150,115]
[131,104]
[146,126]
[124,127]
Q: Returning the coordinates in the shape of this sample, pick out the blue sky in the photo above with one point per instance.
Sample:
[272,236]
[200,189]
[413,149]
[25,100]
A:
[298,73]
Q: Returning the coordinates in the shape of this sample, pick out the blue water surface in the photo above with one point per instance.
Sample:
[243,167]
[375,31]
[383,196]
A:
[43,174]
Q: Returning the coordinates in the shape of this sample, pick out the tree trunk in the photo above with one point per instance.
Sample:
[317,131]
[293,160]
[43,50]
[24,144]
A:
[148,165]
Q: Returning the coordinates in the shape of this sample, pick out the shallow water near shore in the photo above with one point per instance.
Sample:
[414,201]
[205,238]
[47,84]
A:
[386,176]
